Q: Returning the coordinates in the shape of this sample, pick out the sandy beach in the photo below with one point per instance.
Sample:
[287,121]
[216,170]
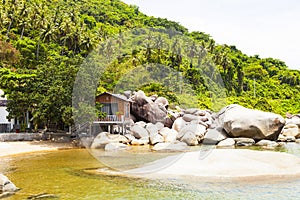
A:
[218,164]
[14,148]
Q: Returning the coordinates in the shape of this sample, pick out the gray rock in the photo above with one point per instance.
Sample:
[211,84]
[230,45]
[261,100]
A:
[156,138]
[244,141]
[139,142]
[197,129]
[239,121]
[168,134]
[175,146]
[179,124]
[229,142]
[141,124]
[6,186]
[173,115]
[152,129]
[294,119]
[195,111]
[159,125]
[209,123]
[190,117]
[145,109]
[130,137]
[117,138]
[100,141]
[162,101]
[168,122]
[139,132]
[291,130]
[204,118]
[282,138]
[105,138]
[190,139]
[267,143]
[214,136]
[191,111]
[116,147]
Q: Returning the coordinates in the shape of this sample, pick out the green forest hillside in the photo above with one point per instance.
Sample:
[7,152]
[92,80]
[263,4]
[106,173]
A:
[43,43]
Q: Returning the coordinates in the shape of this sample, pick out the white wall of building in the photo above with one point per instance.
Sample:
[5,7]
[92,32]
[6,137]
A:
[3,112]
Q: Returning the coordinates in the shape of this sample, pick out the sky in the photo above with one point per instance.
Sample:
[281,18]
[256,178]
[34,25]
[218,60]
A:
[268,28]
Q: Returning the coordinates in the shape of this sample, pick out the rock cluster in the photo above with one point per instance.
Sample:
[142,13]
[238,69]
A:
[291,130]
[175,130]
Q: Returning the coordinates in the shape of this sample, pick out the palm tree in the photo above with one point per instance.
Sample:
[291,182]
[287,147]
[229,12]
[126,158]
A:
[159,44]
[119,41]
[191,51]
[11,15]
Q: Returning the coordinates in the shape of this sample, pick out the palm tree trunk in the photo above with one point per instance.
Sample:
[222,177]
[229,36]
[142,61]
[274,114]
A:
[9,27]
[22,32]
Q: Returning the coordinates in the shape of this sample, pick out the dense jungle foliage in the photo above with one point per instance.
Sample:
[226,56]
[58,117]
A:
[43,44]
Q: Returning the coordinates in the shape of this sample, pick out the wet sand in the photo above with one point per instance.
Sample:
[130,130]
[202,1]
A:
[14,148]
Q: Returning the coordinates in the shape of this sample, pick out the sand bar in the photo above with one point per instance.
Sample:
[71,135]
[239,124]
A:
[224,164]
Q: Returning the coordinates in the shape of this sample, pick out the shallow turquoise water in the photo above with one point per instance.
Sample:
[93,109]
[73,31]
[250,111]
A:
[64,174]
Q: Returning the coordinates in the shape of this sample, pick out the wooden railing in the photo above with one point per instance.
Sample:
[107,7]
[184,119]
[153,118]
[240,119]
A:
[112,118]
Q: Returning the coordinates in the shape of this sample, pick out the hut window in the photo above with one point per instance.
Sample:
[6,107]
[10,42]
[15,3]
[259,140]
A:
[110,108]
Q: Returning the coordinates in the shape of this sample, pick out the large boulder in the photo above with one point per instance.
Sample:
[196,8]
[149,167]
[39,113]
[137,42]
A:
[145,109]
[214,136]
[239,121]
[139,132]
[190,139]
[229,142]
[104,138]
[100,141]
[152,129]
[179,123]
[197,129]
[168,134]
[156,138]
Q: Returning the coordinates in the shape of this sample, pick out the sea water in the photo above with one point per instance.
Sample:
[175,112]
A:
[65,174]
